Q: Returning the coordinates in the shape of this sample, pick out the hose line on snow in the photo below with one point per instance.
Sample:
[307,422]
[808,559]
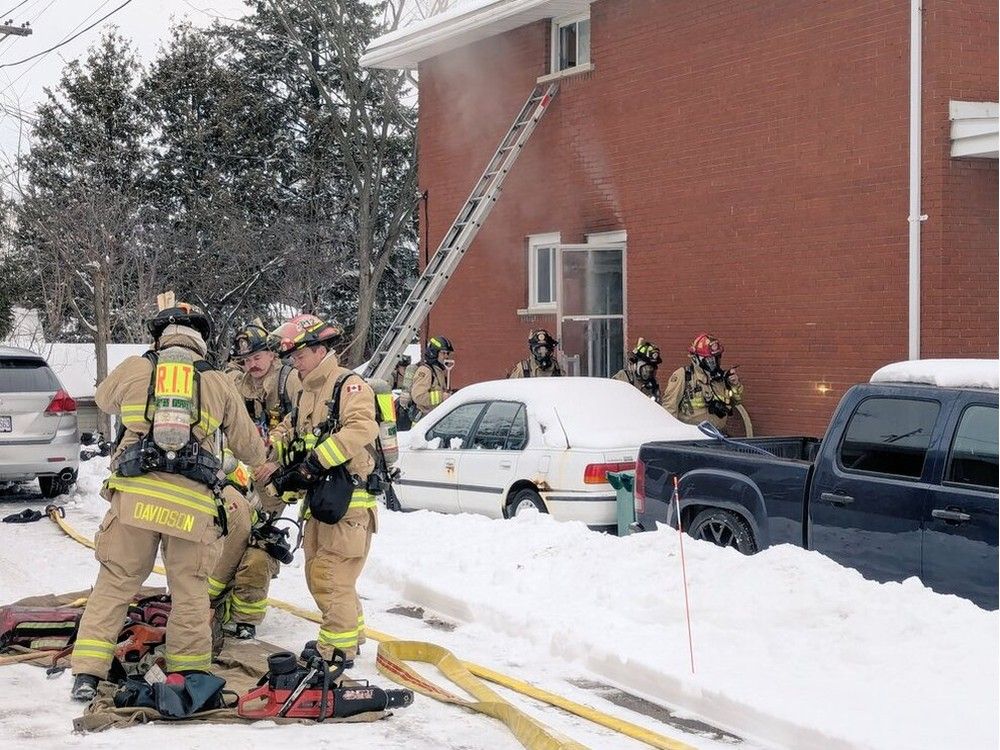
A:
[392,653]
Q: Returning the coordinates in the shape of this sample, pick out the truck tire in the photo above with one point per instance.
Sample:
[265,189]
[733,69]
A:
[724,528]
[524,500]
[52,486]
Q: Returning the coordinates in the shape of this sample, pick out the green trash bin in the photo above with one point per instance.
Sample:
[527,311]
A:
[624,484]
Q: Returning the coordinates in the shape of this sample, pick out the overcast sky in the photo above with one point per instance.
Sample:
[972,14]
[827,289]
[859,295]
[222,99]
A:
[145,22]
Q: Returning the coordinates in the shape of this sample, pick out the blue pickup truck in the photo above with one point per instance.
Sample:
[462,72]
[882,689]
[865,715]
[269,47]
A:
[903,484]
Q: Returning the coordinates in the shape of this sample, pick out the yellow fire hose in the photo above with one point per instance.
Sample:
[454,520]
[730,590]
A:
[392,653]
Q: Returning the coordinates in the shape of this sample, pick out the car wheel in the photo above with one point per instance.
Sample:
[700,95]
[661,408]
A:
[724,528]
[52,486]
[525,501]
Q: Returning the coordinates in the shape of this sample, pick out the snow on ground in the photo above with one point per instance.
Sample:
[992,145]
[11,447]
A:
[791,650]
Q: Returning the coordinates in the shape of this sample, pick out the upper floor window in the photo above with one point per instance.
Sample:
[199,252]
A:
[542,255]
[570,42]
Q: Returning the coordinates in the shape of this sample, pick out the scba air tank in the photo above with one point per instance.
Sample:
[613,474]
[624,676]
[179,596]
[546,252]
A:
[174,397]
[386,419]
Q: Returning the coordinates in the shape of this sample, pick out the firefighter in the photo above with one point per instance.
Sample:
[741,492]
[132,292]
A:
[543,362]
[402,382]
[702,390]
[640,371]
[163,499]
[269,388]
[327,448]
[235,545]
[238,584]
[399,372]
[431,378]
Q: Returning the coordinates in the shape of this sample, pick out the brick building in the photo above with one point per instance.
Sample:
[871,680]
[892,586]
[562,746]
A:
[737,168]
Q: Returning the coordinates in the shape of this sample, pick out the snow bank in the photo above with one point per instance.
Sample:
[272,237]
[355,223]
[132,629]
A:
[947,373]
[790,647]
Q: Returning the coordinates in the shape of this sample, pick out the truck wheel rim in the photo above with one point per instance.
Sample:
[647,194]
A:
[718,532]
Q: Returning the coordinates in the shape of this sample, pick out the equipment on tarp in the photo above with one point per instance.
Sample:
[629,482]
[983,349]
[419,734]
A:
[291,690]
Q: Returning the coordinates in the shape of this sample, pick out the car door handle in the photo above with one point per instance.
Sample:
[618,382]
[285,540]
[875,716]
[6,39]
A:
[505,464]
[955,516]
[835,499]
[449,463]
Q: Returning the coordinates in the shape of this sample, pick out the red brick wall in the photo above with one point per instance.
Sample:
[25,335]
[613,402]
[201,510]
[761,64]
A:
[756,156]
[959,238]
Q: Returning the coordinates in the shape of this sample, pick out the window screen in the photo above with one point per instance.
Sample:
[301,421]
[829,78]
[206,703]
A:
[456,426]
[889,436]
[22,375]
[973,458]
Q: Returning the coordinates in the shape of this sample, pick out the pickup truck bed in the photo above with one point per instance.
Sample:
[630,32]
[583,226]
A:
[785,472]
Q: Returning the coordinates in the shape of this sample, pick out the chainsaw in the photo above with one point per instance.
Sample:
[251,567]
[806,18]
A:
[290,690]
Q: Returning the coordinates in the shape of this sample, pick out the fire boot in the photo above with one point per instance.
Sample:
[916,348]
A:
[84,688]
[310,652]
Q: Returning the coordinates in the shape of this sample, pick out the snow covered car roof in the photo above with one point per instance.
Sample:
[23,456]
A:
[583,412]
[946,373]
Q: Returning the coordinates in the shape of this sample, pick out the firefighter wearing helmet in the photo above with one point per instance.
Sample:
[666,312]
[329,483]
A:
[431,378]
[325,449]
[543,362]
[702,390]
[643,362]
[164,491]
[242,577]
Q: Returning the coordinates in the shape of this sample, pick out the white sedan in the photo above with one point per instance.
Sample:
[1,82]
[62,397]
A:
[503,447]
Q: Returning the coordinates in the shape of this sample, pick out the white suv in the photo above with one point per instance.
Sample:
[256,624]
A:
[39,437]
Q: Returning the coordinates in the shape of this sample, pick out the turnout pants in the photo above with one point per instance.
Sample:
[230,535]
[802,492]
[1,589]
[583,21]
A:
[335,555]
[243,573]
[127,555]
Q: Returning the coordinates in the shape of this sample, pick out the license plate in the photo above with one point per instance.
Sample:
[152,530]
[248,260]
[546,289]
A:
[6,424]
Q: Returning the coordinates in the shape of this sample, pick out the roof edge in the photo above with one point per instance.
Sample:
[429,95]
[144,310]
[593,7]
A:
[466,23]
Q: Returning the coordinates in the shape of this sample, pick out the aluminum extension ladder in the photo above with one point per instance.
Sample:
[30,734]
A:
[459,237]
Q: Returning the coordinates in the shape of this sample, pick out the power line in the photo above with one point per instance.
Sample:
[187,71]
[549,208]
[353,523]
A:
[31,67]
[8,12]
[70,39]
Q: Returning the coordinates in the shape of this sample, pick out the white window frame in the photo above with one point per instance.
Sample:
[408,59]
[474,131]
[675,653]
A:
[558,23]
[536,241]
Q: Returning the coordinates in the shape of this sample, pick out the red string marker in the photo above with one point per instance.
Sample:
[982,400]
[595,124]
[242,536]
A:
[687,605]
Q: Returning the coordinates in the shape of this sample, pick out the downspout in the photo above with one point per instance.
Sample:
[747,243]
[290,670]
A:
[915,218]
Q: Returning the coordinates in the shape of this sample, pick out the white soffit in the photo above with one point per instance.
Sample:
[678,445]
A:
[467,22]
[973,129]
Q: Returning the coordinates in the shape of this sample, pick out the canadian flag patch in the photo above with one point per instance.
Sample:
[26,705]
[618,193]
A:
[354,388]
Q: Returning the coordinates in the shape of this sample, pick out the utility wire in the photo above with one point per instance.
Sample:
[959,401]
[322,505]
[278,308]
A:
[70,39]
[7,12]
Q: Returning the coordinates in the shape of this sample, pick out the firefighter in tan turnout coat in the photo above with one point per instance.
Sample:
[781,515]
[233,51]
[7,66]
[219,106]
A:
[543,362]
[430,380]
[163,499]
[327,451]
[242,578]
[702,390]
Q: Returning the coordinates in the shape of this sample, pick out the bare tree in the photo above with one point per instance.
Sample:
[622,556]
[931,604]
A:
[372,127]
